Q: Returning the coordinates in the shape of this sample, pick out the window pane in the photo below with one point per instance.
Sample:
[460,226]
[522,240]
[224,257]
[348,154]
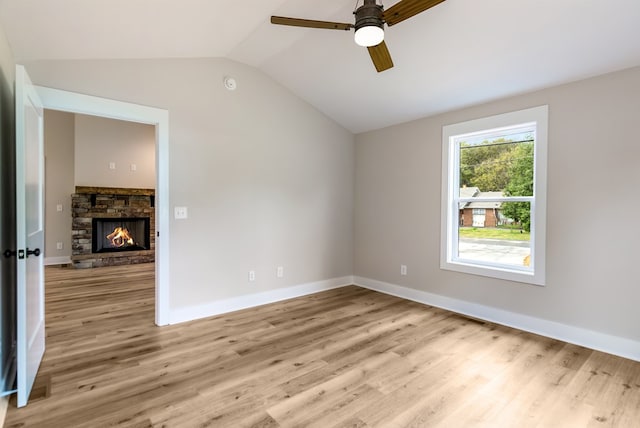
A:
[493,167]
[496,235]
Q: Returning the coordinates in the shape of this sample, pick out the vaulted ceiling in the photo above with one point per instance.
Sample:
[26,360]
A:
[459,53]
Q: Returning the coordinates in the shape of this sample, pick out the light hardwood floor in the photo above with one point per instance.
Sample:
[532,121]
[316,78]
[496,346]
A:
[343,358]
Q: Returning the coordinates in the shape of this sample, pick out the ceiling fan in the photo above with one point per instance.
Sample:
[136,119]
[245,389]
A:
[369,26]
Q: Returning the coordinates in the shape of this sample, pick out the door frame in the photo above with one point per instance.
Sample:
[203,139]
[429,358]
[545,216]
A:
[72,102]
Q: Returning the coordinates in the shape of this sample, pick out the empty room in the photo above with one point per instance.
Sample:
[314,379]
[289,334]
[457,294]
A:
[407,213]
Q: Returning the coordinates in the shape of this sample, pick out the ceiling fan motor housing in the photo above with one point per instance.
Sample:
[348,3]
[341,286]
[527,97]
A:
[369,14]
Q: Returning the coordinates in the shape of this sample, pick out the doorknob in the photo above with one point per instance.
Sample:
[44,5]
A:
[9,253]
[35,252]
[20,253]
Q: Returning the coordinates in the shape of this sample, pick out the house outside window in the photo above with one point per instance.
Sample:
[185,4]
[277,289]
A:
[494,196]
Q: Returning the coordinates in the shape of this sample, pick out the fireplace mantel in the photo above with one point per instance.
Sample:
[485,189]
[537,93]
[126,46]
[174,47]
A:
[114,191]
[109,202]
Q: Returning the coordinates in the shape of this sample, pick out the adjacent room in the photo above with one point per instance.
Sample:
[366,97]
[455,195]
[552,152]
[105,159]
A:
[413,213]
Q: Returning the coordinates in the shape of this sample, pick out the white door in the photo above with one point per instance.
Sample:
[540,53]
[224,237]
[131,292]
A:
[478,217]
[30,233]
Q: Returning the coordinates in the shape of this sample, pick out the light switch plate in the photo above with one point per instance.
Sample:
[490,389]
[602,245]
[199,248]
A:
[180,213]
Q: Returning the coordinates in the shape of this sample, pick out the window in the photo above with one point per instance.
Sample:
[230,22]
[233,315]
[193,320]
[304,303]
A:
[494,196]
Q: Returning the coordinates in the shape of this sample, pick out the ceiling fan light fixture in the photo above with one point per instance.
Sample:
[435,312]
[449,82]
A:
[369,24]
[370,35]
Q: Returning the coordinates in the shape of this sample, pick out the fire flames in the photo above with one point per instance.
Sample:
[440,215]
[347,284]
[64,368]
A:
[120,237]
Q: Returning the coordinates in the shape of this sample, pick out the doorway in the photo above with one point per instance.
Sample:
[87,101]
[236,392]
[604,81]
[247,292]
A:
[54,99]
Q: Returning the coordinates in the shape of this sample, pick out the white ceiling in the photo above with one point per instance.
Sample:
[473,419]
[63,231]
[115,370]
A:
[459,53]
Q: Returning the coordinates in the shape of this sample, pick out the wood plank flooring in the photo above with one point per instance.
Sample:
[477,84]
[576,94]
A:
[344,358]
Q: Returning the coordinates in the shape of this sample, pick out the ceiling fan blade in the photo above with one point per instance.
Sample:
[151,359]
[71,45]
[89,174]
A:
[405,9]
[380,56]
[297,22]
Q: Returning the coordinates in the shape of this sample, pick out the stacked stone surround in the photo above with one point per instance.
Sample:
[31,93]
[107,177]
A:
[109,202]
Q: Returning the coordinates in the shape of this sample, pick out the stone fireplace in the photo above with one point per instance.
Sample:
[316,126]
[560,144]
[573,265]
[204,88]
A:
[112,226]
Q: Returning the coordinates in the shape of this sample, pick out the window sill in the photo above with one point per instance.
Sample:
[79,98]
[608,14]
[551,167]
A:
[508,274]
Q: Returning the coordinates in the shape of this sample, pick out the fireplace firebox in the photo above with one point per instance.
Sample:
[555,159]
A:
[120,234]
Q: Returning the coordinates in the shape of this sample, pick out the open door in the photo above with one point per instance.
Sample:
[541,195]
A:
[30,233]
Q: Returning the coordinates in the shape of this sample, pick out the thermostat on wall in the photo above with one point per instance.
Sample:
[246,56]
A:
[230,83]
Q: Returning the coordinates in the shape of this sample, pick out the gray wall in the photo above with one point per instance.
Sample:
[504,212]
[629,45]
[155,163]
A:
[268,179]
[59,138]
[592,232]
[7,212]
[100,141]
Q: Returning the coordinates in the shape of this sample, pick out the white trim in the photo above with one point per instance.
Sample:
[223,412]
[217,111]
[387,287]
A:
[615,345]
[450,184]
[249,301]
[50,261]
[55,99]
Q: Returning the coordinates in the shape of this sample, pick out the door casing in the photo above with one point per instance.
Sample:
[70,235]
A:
[55,99]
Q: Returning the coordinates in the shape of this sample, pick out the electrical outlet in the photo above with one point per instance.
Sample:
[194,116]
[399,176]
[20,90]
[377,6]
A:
[134,167]
[280,272]
[252,275]
[403,270]
[59,245]
[59,208]
[112,165]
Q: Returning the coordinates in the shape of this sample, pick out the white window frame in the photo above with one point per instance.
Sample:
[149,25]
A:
[451,136]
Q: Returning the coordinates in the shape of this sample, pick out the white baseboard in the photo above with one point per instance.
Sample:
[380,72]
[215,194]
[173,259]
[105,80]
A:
[244,302]
[579,336]
[48,261]
[591,339]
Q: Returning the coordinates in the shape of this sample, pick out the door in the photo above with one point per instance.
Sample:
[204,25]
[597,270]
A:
[478,217]
[30,233]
